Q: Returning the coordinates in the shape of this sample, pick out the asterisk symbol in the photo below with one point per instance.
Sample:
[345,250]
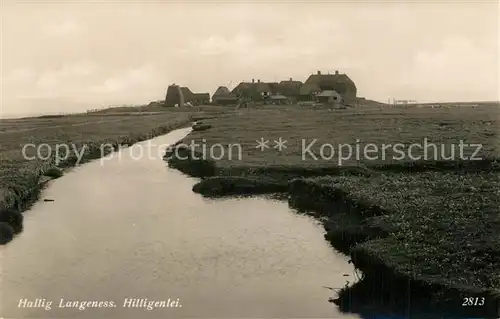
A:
[262,144]
[280,144]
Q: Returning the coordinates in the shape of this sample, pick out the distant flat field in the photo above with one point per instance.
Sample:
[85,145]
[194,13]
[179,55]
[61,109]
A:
[74,129]
[444,127]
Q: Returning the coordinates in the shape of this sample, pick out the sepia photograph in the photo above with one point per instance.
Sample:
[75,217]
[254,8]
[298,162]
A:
[168,159]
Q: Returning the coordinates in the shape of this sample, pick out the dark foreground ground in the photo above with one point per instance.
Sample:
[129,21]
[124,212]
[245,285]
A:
[425,232]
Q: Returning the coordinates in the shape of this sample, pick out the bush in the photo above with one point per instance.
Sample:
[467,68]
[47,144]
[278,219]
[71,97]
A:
[6,233]
[53,172]
[12,218]
[201,127]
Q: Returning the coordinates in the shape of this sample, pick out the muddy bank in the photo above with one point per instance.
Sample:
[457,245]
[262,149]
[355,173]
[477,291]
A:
[24,188]
[241,181]
[366,230]
[392,281]
[221,186]
[260,180]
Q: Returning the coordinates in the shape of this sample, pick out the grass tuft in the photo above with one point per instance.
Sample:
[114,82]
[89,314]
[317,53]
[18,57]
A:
[242,186]
[201,127]
[53,172]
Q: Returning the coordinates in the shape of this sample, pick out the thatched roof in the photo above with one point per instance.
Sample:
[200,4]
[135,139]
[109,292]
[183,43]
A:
[262,87]
[339,82]
[242,87]
[188,94]
[307,89]
[274,86]
[290,87]
[329,78]
[201,96]
[251,88]
[222,91]
[291,82]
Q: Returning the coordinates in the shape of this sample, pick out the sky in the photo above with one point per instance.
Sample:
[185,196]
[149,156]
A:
[82,54]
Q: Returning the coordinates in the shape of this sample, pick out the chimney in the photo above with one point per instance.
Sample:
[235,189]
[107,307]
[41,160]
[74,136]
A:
[253,80]
[336,72]
[290,79]
[319,72]
[258,81]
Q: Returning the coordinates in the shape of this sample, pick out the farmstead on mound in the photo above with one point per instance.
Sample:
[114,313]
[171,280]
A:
[323,88]
[294,91]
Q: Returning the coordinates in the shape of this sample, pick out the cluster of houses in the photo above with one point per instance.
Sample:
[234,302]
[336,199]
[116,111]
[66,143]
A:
[324,88]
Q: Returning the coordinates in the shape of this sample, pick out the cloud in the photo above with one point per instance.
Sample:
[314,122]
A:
[69,79]
[457,61]
[67,75]
[459,68]
[62,28]
[79,85]
[21,75]
[246,48]
[129,79]
[218,44]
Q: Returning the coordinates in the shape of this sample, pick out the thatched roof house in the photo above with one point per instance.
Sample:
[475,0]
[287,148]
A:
[308,89]
[262,87]
[221,91]
[243,89]
[175,95]
[308,92]
[222,96]
[180,95]
[251,90]
[201,98]
[274,87]
[293,90]
[188,95]
[290,88]
[338,82]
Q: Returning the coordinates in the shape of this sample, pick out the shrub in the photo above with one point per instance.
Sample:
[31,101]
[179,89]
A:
[12,218]
[53,172]
[201,127]
[6,233]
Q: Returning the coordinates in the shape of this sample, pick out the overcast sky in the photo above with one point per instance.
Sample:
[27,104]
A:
[70,57]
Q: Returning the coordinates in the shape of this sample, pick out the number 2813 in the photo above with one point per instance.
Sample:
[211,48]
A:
[473,301]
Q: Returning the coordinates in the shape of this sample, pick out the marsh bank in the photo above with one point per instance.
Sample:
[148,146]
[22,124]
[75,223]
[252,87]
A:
[132,228]
[418,216]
